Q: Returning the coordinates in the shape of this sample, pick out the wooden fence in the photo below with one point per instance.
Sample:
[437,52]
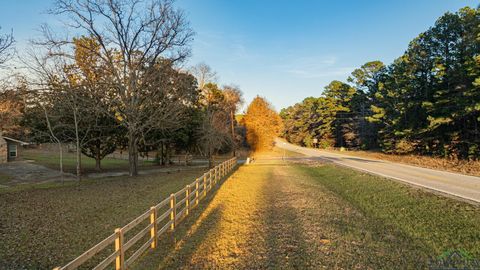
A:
[175,208]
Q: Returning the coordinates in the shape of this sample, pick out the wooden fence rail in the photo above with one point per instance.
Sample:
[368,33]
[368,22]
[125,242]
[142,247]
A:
[176,207]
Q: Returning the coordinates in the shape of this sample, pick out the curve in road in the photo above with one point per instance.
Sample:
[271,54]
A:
[463,186]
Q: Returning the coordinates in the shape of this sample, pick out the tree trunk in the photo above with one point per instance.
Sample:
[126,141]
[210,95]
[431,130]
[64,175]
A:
[157,158]
[61,161]
[211,160]
[79,162]
[56,140]
[132,155]
[98,161]
[167,154]
[162,154]
[79,153]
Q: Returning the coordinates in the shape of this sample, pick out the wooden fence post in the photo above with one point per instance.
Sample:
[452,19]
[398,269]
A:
[196,191]
[210,179]
[173,212]
[187,200]
[153,230]
[205,185]
[214,179]
[120,259]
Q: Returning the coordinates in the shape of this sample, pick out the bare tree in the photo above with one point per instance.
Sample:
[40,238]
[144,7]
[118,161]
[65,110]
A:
[6,44]
[233,100]
[204,74]
[213,133]
[63,102]
[217,128]
[134,37]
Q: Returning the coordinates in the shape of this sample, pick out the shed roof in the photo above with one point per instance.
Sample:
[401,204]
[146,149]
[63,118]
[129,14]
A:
[14,140]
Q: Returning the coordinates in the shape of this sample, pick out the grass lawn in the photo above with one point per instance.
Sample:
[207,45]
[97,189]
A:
[4,179]
[41,228]
[272,215]
[423,225]
[51,160]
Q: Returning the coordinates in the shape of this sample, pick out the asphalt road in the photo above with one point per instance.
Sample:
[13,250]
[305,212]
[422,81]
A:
[459,185]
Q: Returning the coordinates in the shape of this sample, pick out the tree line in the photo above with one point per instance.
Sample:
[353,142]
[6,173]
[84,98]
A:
[119,83]
[426,102]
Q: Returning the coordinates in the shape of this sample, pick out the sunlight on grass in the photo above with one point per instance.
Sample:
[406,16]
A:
[236,202]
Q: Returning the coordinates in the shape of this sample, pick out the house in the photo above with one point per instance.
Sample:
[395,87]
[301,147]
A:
[10,148]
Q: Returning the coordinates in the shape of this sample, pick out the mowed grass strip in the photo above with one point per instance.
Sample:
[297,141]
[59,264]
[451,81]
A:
[48,227]
[434,224]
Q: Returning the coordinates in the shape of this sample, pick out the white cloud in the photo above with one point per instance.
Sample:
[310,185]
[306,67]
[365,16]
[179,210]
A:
[315,67]
[320,73]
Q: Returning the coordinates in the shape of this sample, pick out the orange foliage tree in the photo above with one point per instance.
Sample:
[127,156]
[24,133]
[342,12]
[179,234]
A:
[263,124]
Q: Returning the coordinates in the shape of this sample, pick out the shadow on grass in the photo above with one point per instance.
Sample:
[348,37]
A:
[175,250]
[285,243]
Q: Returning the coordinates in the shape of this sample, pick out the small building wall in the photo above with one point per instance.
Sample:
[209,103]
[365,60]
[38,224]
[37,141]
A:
[15,145]
[3,150]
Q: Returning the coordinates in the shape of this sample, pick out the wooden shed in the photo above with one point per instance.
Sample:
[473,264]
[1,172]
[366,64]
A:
[10,149]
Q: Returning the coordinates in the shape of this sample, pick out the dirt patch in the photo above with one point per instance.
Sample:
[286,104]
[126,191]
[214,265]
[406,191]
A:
[23,172]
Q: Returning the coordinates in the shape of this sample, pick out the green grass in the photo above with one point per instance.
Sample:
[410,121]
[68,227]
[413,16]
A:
[41,228]
[51,160]
[4,179]
[434,224]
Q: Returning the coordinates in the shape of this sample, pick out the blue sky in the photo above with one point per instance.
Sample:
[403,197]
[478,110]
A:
[282,50]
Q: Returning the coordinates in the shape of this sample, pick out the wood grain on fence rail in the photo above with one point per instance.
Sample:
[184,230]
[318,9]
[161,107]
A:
[178,205]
